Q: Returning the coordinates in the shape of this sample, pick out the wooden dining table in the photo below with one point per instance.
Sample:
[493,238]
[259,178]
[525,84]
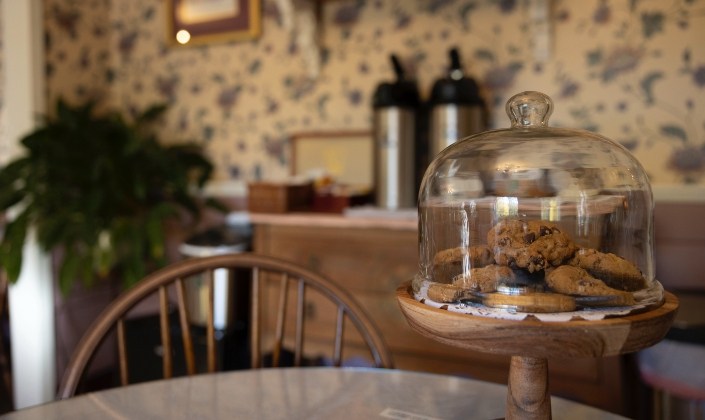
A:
[300,393]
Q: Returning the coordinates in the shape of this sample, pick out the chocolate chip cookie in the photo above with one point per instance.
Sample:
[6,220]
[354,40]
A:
[532,245]
[485,279]
[614,270]
[449,263]
[571,280]
[444,293]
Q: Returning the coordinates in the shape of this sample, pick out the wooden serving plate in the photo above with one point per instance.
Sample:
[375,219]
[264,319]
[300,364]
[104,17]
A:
[531,342]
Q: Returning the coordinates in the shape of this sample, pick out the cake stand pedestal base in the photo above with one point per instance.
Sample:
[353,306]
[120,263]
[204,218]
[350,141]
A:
[528,396]
[531,342]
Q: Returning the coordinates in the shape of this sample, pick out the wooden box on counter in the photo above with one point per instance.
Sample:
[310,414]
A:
[338,203]
[272,197]
[371,258]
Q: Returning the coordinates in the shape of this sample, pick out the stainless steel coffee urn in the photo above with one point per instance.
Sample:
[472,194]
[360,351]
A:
[395,106]
[457,109]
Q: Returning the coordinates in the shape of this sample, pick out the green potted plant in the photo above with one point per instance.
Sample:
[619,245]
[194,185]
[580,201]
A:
[98,188]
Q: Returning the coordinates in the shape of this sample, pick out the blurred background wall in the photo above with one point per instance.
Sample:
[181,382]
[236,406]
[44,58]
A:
[632,70]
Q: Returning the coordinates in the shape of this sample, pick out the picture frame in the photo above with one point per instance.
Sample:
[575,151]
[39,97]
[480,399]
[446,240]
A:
[346,156]
[198,22]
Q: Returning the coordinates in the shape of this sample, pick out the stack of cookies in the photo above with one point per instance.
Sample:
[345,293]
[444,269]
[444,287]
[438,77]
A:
[535,255]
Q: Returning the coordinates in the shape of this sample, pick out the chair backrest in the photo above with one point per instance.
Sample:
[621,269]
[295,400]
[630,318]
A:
[280,308]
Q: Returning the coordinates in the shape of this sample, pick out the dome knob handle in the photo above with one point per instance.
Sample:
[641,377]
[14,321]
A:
[529,109]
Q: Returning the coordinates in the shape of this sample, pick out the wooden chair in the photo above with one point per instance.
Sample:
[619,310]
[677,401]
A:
[280,309]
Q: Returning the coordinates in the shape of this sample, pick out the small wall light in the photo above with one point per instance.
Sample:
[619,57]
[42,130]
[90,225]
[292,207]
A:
[183,36]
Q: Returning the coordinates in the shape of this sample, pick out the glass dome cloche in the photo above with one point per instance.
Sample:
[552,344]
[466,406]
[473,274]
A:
[535,219]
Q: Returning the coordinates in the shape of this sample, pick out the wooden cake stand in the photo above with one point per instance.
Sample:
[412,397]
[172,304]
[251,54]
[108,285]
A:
[531,342]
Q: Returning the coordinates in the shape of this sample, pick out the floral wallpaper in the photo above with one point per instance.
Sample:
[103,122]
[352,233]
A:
[4,147]
[632,70]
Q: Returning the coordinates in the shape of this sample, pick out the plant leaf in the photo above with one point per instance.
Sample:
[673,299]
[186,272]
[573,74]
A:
[68,272]
[151,114]
[86,172]
[12,246]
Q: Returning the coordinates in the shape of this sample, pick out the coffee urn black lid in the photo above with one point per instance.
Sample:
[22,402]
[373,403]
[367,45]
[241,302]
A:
[455,88]
[401,93]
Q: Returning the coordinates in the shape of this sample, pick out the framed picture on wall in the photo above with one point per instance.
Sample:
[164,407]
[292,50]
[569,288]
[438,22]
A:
[345,156]
[197,22]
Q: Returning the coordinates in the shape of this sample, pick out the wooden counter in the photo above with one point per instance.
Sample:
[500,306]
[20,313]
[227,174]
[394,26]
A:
[372,256]
[404,221]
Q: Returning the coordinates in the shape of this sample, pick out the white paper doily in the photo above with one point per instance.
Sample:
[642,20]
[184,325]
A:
[644,298]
